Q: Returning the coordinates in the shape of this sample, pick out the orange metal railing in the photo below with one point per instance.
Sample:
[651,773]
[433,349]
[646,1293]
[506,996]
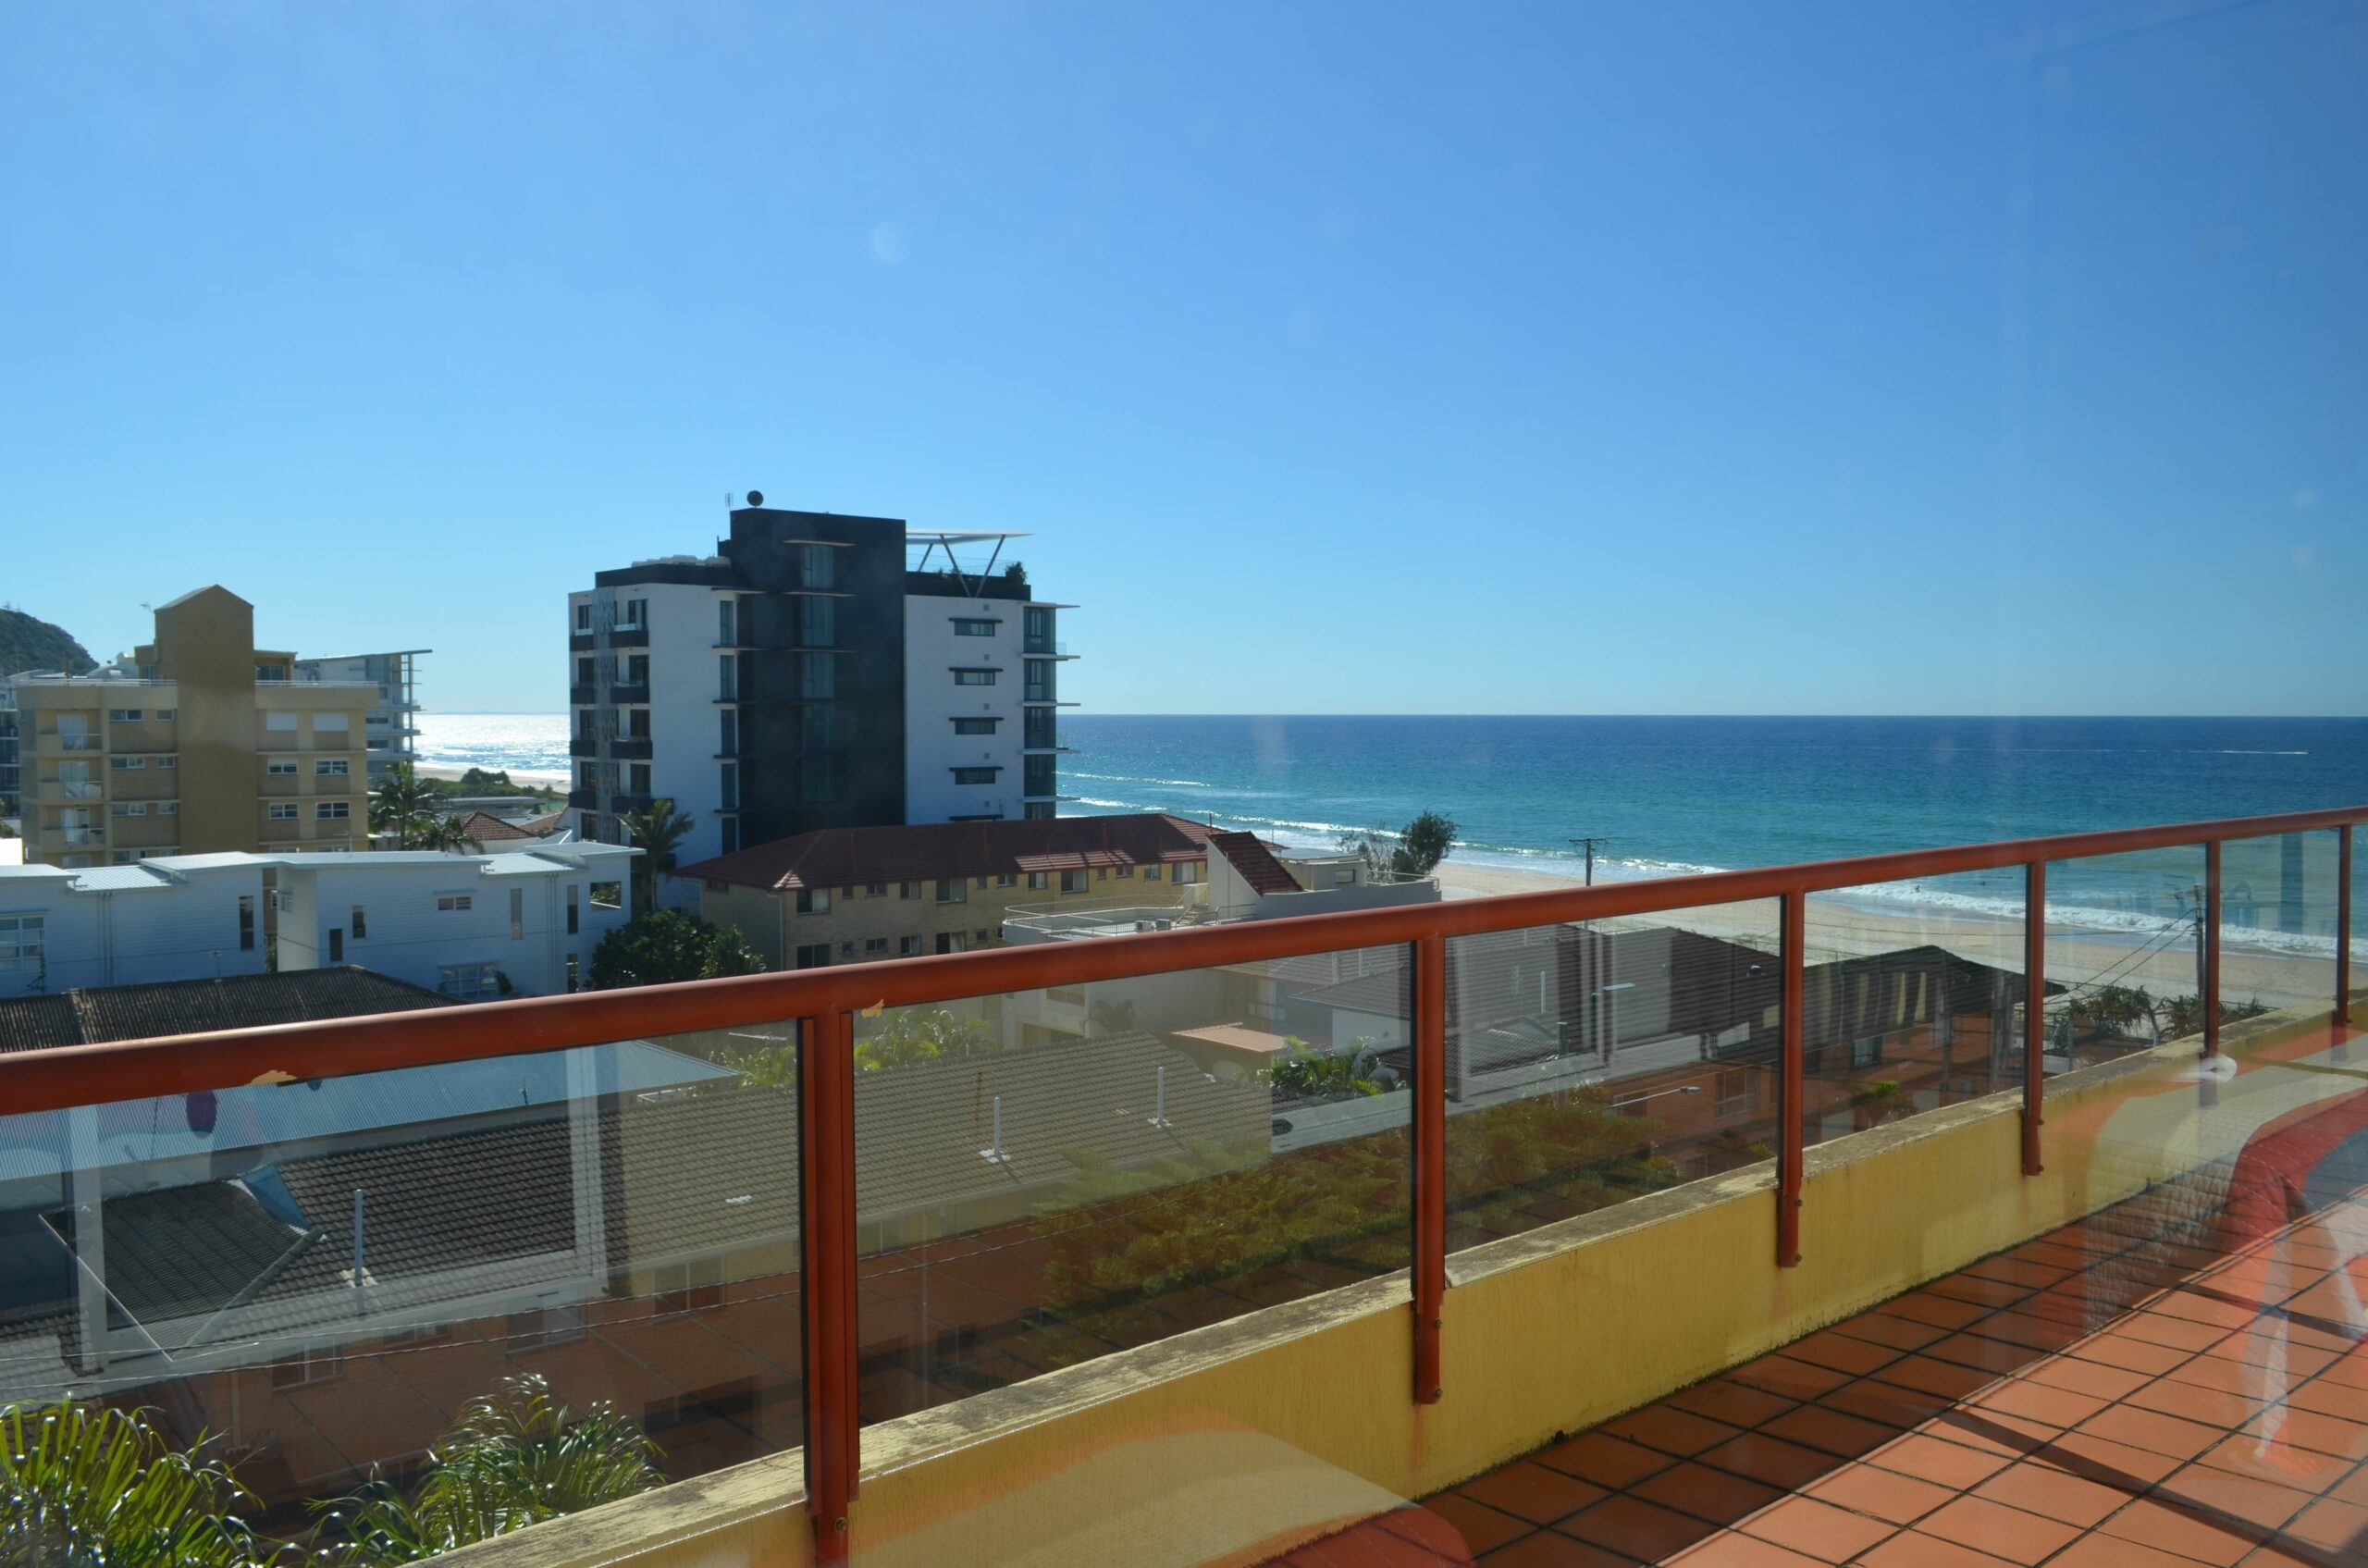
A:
[825,1002]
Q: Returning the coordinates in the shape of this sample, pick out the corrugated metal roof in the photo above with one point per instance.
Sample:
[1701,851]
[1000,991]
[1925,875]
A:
[927,851]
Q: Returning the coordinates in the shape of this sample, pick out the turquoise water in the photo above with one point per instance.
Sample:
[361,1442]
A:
[1677,795]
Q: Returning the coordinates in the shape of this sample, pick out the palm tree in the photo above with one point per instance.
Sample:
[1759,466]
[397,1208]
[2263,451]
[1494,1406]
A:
[403,804]
[516,1457]
[656,833]
[83,1484]
[447,833]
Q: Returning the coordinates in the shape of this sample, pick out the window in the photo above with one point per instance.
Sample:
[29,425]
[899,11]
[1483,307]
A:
[246,922]
[281,766]
[726,623]
[468,981]
[818,623]
[727,677]
[818,676]
[304,1370]
[1066,996]
[126,764]
[968,626]
[575,915]
[814,956]
[280,811]
[847,949]
[571,972]
[874,944]
[1124,873]
[166,715]
[1738,1091]
[908,890]
[875,890]
[360,922]
[608,896]
[975,677]
[910,947]
[637,778]
[20,942]
[1040,680]
[284,723]
[1866,1053]
[129,809]
[975,726]
[332,721]
[336,944]
[1150,873]
[331,767]
[1039,811]
[168,808]
[332,810]
[270,672]
[549,1326]
[1190,871]
[455,903]
[975,775]
[126,715]
[169,762]
[584,617]
[689,1287]
[1039,728]
[813,900]
[1036,775]
[517,913]
[729,786]
[818,566]
[1008,878]
[1039,881]
[980,936]
[728,739]
[953,890]
[633,615]
[1073,881]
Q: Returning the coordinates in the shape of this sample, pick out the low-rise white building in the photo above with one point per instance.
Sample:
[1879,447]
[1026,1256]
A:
[460,924]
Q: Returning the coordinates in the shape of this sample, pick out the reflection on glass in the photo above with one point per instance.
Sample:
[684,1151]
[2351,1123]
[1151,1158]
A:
[2277,935]
[2124,954]
[1911,996]
[1593,1062]
[324,1278]
[1045,1176]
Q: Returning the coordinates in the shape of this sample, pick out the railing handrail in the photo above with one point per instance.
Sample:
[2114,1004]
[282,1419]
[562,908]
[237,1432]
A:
[63,1077]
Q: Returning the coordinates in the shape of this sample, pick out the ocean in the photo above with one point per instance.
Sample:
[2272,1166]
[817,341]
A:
[1669,795]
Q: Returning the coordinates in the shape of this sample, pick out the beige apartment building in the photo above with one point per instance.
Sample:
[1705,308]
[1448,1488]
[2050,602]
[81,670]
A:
[201,742]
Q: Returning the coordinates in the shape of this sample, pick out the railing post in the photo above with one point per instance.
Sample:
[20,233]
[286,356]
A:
[1792,1143]
[2210,997]
[826,1186]
[2342,928]
[2034,1012]
[1430,1162]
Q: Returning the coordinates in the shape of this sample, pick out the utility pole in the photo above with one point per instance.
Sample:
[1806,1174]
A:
[1589,845]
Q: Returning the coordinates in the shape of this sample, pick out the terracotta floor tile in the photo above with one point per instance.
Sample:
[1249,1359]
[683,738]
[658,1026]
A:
[2041,1488]
[1705,1493]
[1900,1332]
[1480,1527]
[2030,1330]
[2333,1526]
[2331,1398]
[2276,1462]
[2152,1430]
[1730,1548]
[1881,1494]
[1941,1312]
[1830,1431]
[2161,1524]
[2198,1307]
[2168,1330]
[2001,1531]
[1607,1462]
[2191,1402]
[1842,1353]
[2263,1504]
[1737,1404]
[1532,1491]
[2037,1401]
[2112,1551]
[1979,1292]
[1793,1380]
[1991,1431]
[1769,1460]
[1972,1350]
[2109,1349]
[1870,1400]
[1912,1548]
[1817,1529]
[1944,1377]
[2087,1378]
[1669,1430]
[1942,1464]
[2327,1434]
[1642,1529]
[2104,1462]
[1371,1545]
[2230,1375]
[1547,1549]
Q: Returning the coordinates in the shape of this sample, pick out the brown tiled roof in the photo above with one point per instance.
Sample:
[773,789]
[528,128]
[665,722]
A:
[923,852]
[1257,863]
[487,828]
[543,827]
[93,1015]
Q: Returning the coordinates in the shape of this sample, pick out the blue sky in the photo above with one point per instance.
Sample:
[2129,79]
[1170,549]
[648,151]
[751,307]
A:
[1561,357]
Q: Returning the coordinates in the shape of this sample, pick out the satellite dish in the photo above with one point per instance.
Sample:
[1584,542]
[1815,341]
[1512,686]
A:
[756,498]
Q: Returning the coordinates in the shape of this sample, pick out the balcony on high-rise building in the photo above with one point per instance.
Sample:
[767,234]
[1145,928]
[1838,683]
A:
[1763,1215]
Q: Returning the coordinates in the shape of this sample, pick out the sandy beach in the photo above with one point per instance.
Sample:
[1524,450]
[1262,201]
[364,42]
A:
[517,775]
[2163,964]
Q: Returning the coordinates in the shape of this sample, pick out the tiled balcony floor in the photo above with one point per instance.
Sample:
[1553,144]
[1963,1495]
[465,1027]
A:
[2177,1380]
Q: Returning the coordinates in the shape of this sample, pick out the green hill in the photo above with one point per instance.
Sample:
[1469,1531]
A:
[29,644]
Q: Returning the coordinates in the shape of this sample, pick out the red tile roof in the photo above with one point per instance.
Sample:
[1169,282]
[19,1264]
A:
[1257,863]
[922,852]
[489,829]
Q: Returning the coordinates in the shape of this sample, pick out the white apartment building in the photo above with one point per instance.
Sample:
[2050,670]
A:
[391,727]
[819,672]
[459,924]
